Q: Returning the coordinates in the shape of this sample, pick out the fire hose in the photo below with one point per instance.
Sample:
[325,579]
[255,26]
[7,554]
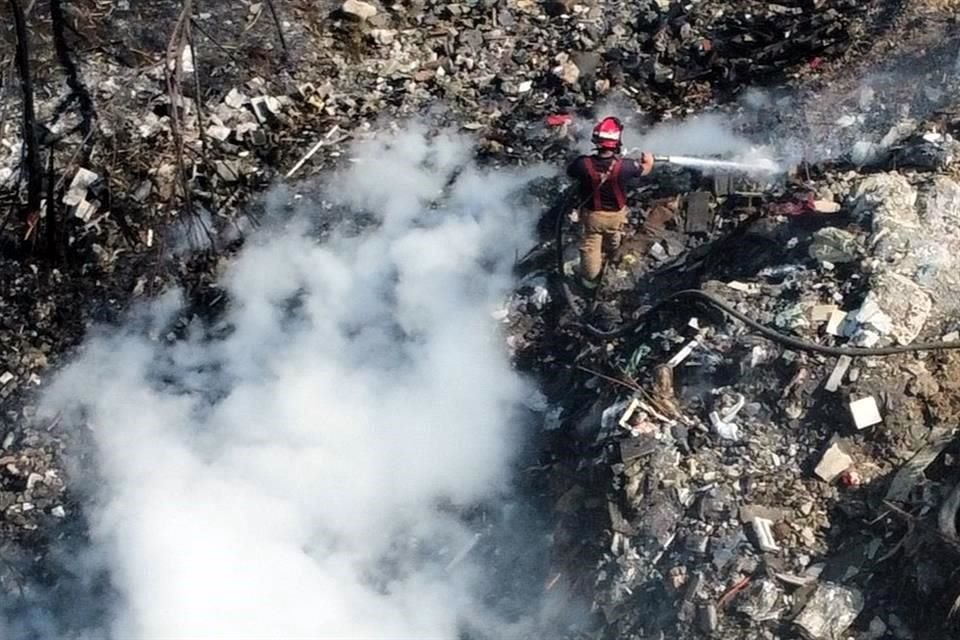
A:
[791,342]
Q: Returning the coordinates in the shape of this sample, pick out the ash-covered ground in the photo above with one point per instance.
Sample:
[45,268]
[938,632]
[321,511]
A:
[284,350]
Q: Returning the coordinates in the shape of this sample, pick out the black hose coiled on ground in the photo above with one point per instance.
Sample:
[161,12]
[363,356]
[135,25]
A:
[796,344]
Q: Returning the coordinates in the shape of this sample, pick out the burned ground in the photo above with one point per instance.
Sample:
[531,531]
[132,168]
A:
[661,544]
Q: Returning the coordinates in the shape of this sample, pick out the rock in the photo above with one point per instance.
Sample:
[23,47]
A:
[358,9]
[471,38]
[567,71]
[383,36]
[763,601]
[588,62]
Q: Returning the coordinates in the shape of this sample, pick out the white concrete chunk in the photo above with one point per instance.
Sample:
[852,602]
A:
[834,462]
[865,412]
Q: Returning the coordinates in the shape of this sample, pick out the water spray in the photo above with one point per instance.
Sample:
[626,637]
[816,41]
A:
[758,167]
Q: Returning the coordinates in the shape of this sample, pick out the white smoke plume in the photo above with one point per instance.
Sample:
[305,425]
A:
[297,475]
[707,135]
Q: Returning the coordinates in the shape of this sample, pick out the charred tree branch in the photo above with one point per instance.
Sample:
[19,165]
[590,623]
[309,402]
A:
[53,252]
[77,88]
[174,72]
[276,22]
[34,165]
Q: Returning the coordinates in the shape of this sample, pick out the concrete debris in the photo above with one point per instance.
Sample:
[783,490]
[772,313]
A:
[895,305]
[829,612]
[235,99]
[834,462]
[839,370]
[763,531]
[823,312]
[835,321]
[358,9]
[865,412]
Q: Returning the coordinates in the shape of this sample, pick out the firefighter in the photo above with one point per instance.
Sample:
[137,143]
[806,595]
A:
[602,178]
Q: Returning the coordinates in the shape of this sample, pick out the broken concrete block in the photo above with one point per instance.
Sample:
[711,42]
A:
[839,370]
[829,612]
[895,305]
[358,9]
[823,312]
[793,317]
[567,71]
[826,206]
[234,99]
[218,132]
[835,321]
[5,378]
[743,287]
[865,412]
[763,530]
[763,600]
[834,462]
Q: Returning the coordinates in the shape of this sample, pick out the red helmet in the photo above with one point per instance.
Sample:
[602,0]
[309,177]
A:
[607,134]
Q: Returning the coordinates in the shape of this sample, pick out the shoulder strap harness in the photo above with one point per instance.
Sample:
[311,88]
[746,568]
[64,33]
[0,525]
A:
[597,180]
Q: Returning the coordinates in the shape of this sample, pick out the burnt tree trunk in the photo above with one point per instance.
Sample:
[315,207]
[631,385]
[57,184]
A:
[34,166]
[77,88]
[53,251]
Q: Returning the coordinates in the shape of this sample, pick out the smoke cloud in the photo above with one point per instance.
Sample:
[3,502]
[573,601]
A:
[707,135]
[297,469]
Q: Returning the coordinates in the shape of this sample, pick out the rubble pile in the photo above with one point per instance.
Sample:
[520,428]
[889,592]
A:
[751,487]
[252,109]
[707,480]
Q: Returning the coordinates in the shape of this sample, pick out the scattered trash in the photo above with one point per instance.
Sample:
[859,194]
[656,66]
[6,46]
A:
[834,245]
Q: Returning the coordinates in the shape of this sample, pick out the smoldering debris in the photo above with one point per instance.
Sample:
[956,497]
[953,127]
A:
[283,481]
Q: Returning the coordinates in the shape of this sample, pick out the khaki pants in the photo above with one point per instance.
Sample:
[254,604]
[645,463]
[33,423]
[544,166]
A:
[602,232]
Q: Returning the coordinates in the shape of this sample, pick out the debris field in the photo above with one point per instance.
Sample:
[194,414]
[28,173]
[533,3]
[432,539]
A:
[704,477]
